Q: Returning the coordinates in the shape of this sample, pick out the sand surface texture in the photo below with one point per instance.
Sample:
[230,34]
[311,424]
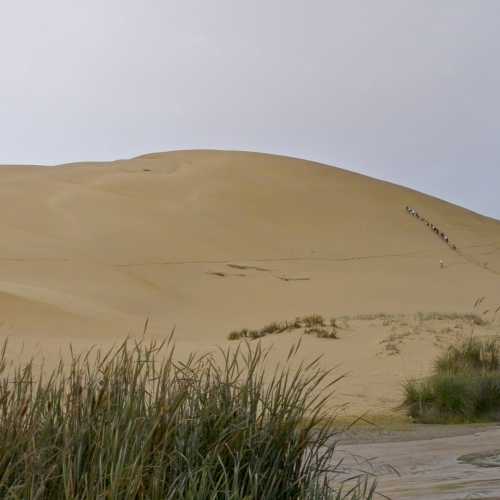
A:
[437,468]
[213,241]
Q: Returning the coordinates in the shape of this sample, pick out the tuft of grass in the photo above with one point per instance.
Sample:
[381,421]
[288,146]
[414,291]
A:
[313,320]
[334,323]
[234,335]
[296,324]
[239,334]
[465,386]
[132,423]
[322,333]
[255,334]
[471,356]
[458,398]
[273,327]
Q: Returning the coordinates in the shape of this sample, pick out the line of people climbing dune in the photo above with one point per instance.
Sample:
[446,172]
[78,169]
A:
[432,227]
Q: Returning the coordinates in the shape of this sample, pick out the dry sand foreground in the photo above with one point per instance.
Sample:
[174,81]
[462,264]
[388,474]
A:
[212,241]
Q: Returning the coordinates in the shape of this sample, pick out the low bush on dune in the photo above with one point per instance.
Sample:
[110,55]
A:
[134,424]
[464,387]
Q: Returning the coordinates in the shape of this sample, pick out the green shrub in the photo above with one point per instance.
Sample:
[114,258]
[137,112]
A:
[134,424]
[454,398]
[471,355]
[464,387]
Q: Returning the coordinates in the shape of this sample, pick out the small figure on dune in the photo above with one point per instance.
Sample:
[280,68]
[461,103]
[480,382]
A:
[453,247]
[441,264]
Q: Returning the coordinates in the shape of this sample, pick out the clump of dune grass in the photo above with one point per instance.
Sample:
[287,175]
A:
[465,386]
[132,423]
[313,320]
[295,324]
[322,333]
[312,324]
[274,327]
[471,356]
[245,333]
[271,328]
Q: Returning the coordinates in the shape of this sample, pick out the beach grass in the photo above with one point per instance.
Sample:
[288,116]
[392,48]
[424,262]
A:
[464,387]
[133,423]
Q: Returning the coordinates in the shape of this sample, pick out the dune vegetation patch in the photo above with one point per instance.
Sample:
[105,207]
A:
[464,387]
[473,318]
[403,326]
[312,324]
[132,423]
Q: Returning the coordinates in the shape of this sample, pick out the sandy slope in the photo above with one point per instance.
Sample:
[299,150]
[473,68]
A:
[210,241]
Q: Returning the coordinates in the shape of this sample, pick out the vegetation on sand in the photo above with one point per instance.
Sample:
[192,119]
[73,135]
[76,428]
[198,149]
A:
[313,324]
[133,423]
[464,387]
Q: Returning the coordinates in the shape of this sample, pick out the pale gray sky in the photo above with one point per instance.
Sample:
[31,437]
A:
[405,90]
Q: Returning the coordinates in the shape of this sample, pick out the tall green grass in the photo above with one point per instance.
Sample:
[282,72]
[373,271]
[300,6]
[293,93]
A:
[133,423]
[465,386]
[472,355]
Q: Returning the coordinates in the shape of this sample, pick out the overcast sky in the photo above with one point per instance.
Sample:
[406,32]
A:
[407,91]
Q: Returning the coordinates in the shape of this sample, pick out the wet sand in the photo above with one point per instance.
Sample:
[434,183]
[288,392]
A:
[427,462]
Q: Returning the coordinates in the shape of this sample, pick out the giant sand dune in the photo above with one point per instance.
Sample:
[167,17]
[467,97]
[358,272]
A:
[212,241]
